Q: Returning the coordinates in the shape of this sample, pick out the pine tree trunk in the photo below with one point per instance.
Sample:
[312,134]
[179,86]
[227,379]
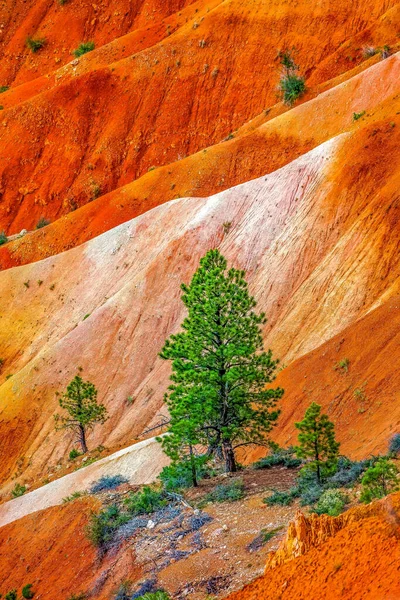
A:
[193,466]
[229,455]
[82,439]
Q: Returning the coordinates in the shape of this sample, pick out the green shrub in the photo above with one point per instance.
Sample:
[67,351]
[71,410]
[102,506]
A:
[80,596]
[12,595]
[280,457]
[74,454]
[357,116]
[226,492]
[348,472]
[342,365]
[331,502]
[19,490]
[4,88]
[379,480]
[73,496]
[84,48]
[107,482]
[146,501]
[292,86]
[42,223]
[3,238]
[102,526]
[282,498]
[35,44]
[394,444]
[27,591]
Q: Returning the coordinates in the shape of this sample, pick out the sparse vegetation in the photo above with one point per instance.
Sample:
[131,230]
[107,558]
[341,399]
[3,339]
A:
[102,526]
[282,498]
[4,88]
[369,51]
[146,501]
[80,596]
[342,365]
[83,48]
[42,223]
[27,591]
[80,402]
[357,116]
[394,443]
[19,490]
[3,238]
[291,85]
[331,502]
[280,457]
[35,44]
[72,497]
[379,480]
[226,492]
[74,454]
[107,482]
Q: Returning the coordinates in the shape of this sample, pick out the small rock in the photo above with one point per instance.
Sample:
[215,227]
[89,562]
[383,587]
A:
[150,524]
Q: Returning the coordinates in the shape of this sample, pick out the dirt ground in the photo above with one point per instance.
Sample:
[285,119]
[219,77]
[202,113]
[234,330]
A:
[224,553]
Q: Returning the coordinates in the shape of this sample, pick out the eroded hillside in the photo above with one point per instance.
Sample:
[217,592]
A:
[167,139]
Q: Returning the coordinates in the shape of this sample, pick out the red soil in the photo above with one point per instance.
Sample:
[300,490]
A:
[50,550]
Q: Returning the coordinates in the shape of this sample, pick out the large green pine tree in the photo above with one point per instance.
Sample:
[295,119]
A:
[80,402]
[317,441]
[219,395]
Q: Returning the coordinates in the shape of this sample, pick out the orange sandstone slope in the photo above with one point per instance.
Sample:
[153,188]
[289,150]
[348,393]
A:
[211,72]
[263,145]
[307,238]
[353,557]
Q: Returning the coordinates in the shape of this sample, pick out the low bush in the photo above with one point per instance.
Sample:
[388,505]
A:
[74,454]
[72,497]
[42,223]
[19,490]
[4,88]
[146,501]
[292,87]
[84,48]
[282,498]
[394,444]
[331,502]
[348,472]
[357,116]
[280,457]
[27,591]
[11,595]
[35,44]
[107,482]
[3,238]
[226,492]
[102,526]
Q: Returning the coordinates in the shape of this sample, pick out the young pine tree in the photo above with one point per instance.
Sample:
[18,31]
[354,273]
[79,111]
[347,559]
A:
[317,441]
[80,402]
[219,395]
[379,480]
